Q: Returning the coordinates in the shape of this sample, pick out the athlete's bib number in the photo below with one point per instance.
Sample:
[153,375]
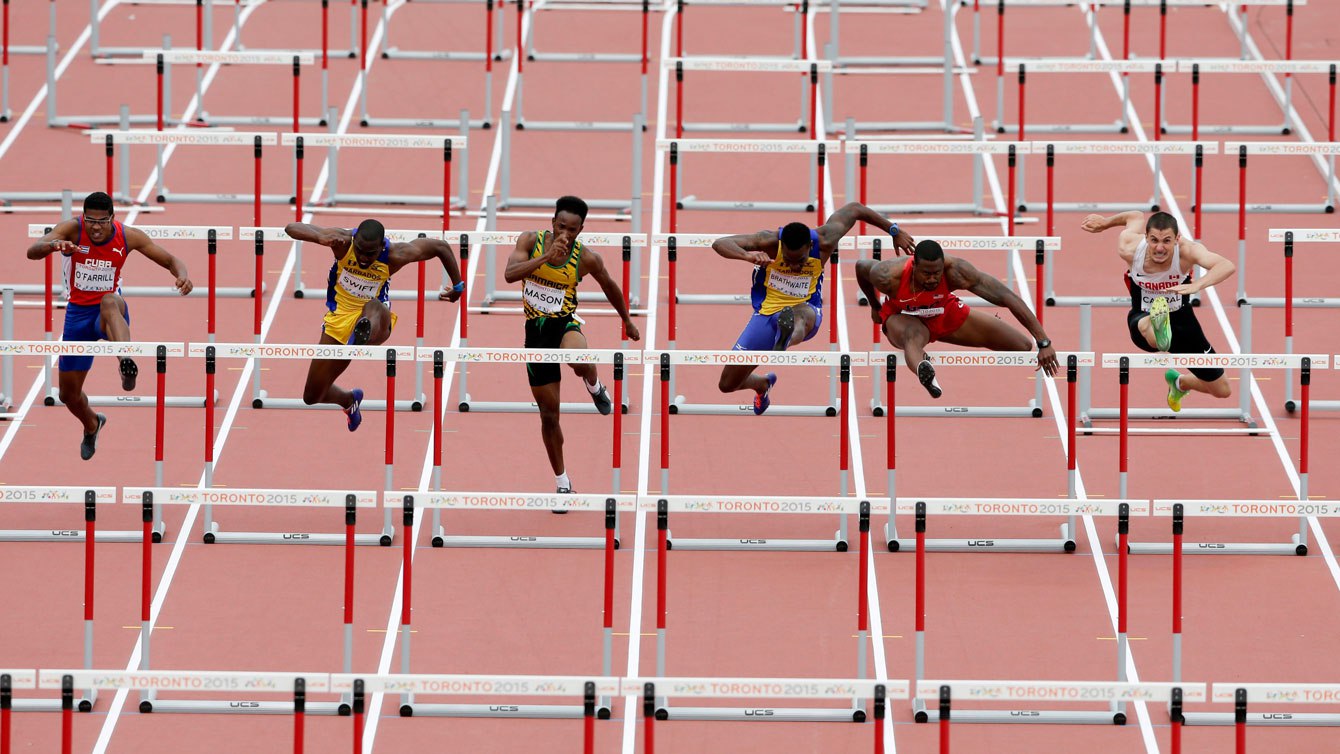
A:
[1147,299]
[359,287]
[796,286]
[929,311]
[543,298]
[94,279]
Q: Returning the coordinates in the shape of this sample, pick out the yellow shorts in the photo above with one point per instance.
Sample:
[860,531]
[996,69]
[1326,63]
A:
[339,324]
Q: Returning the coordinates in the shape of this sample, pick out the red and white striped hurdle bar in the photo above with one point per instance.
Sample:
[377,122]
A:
[924,508]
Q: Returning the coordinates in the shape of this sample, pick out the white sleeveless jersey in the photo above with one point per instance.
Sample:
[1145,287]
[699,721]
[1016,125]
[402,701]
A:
[1151,285]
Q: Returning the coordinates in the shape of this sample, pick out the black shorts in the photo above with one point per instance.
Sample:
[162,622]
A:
[1187,337]
[547,332]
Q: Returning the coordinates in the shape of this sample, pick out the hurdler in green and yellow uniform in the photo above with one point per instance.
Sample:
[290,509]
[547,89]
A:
[550,264]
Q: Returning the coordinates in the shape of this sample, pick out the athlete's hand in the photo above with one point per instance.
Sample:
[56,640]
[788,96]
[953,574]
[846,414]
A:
[1185,289]
[759,258]
[904,242]
[630,327]
[448,294]
[1047,361]
[184,285]
[1094,224]
[558,252]
[875,314]
[64,247]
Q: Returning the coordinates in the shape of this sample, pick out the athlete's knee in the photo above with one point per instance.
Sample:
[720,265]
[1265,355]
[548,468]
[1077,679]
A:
[111,304]
[1220,388]
[549,418]
[312,394]
[729,382]
[70,395]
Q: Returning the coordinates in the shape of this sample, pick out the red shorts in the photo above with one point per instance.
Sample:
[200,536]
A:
[955,314]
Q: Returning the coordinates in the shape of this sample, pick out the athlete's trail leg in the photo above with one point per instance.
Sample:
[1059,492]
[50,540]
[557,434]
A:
[547,399]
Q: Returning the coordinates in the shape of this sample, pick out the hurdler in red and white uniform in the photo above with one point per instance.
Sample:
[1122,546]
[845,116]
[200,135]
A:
[94,248]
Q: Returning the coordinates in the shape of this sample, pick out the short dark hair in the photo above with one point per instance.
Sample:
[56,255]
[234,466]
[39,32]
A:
[370,232]
[796,236]
[1162,221]
[571,204]
[98,201]
[929,251]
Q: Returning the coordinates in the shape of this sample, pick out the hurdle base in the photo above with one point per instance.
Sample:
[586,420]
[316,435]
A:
[527,407]
[1163,414]
[764,714]
[1292,547]
[1261,208]
[622,205]
[1278,130]
[574,125]
[177,197]
[1044,716]
[982,545]
[239,706]
[537,542]
[976,412]
[214,535]
[1314,405]
[75,535]
[1265,719]
[371,404]
[682,406]
[793,127]
[836,544]
[435,123]
[166,291]
[137,401]
[1115,127]
[712,298]
[690,202]
[84,704]
[1123,302]
[536,711]
[1311,302]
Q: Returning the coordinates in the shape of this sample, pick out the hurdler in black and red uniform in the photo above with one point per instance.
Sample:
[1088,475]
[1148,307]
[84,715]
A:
[94,247]
[921,308]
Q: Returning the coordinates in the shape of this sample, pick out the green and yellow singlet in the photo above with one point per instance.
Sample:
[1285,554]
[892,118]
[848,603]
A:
[551,291]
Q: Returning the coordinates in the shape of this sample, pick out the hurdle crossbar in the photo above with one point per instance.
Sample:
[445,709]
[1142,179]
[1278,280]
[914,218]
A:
[1241,413]
[844,506]
[1289,237]
[1242,694]
[767,689]
[1123,509]
[243,686]
[1289,69]
[612,505]
[741,64]
[978,149]
[1305,363]
[589,689]
[944,693]
[526,22]
[819,149]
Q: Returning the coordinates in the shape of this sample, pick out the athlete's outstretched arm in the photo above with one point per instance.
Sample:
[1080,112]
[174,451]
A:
[594,265]
[1217,268]
[60,238]
[964,275]
[422,249]
[1132,220]
[141,242]
[874,278]
[754,248]
[841,222]
[318,234]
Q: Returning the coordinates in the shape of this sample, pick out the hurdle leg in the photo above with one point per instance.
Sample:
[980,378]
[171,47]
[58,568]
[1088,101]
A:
[1245,375]
[947,77]
[7,362]
[504,166]
[978,169]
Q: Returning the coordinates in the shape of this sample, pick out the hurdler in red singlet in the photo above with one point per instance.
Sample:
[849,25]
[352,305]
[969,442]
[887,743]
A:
[921,308]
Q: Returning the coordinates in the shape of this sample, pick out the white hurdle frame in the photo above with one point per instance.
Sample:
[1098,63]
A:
[1024,66]
[611,505]
[123,119]
[588,688]
[663,505]
[631,245]
[632,206]
[809,90]
[923,508]
[944,693]
[1289,237]
[664,361]
[204,28]
[207,498]
[324,50]
[1241,694]
[150,682]
[820,149]
[1241,413]
[466,355]
[657,690]
[858,157]
[448,145]
[23,680]
[1288,68]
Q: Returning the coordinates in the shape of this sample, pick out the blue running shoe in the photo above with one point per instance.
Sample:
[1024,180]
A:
[763,400]
[354,414]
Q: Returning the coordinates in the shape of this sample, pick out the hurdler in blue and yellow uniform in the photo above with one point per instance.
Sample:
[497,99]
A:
[350,287]
[549,298]
[778,287]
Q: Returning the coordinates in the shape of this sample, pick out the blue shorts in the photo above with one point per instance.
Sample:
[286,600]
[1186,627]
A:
[81,324]
[760,333]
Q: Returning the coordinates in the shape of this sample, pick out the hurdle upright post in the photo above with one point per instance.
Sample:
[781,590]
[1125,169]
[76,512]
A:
[390,442]
[299,708]
[146,598]
[406,581]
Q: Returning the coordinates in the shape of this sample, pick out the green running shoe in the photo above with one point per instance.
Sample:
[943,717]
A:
[1158,319]
[1175,394]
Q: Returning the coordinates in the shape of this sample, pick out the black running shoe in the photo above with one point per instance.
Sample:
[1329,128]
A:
[603,403]
[89,445]
[926,373]
[561,491]
[129,371]
[362,331]
[786,324]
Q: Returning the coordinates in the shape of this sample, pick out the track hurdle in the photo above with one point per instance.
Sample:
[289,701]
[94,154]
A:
[123,119]
[1241,413]
[1242,694]
[1244,361]
[945,693]
[465,355]
[893,361]
[149,682]
[1123,509]
[526,21]
[977,148]
[204,27]
[154,497]
[586,688]
[877,691]
[11,679]
[612,505]
[164,59]
[90,497]
[855,712]
[1289,237]
[172,139]
[1289,68]
[631,246]
[1025,66]
[632,206]
[666,358]
[809,92]
[326,52]
[493,52]
[452,149]
[6,49]
[813,203]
